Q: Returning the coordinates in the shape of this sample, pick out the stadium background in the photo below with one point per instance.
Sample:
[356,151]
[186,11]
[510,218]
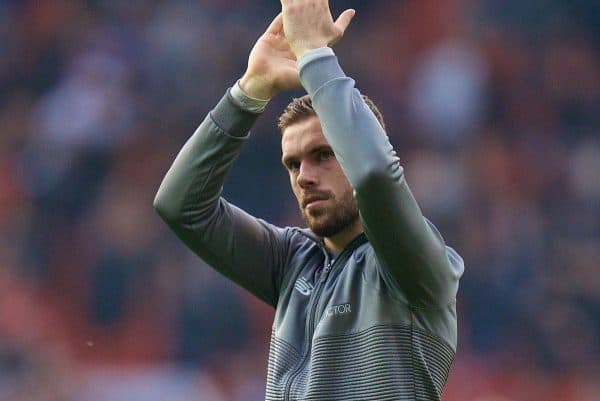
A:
[493,105]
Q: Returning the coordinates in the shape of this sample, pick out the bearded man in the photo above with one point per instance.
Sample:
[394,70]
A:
[364,297]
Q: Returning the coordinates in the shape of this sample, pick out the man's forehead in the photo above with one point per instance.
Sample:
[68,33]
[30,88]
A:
[303,136]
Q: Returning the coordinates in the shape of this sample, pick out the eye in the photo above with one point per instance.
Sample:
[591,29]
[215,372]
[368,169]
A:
[292,165]
[325,155]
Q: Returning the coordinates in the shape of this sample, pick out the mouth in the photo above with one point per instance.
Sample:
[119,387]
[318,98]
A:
[313,201]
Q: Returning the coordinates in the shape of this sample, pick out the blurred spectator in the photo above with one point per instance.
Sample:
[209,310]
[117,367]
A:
[447,92]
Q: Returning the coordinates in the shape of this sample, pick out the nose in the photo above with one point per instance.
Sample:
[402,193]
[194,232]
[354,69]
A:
[307,175]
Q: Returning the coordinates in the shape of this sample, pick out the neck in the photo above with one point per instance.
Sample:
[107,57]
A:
[336,243]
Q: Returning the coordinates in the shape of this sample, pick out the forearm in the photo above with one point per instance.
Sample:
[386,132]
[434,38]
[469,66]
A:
[412,253]
[247,250]
[192,185]
[358,140]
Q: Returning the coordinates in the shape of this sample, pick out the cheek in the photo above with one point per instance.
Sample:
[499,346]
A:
[335,170]
[343,185]
[344,195]
[295,188]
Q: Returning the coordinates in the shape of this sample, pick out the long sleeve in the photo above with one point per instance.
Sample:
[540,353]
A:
[248,250]
[412,255]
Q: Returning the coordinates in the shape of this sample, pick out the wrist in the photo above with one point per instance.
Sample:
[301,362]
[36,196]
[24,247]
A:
[256,87]
[246,102]
[312,54]
[301,48]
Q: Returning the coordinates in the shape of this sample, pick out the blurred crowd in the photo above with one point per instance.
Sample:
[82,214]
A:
[493,107]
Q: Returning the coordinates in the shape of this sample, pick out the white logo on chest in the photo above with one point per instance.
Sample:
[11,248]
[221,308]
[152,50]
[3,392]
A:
[341,309]
[303,286]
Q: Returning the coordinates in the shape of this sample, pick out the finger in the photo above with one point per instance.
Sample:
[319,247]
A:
[276,25]
[344,20]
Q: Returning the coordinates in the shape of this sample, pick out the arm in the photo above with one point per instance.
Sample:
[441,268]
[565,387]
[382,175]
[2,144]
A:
[410,251]
[189,201]
[249,251]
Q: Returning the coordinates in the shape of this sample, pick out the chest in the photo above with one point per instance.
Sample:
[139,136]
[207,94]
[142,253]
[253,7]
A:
[328,298]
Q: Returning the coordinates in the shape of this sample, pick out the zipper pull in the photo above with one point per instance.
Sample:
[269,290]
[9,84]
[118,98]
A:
[325,272]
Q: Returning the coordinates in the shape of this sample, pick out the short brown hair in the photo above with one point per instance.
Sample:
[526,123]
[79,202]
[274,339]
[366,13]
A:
[301,108]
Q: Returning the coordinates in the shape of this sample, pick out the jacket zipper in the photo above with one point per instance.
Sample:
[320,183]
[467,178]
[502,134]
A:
[314,301]
[309,329]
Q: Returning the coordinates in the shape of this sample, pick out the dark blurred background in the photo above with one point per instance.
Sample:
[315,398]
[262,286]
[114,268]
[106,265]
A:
[493,106]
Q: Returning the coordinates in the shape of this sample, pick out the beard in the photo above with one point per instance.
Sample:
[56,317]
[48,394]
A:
[328,220]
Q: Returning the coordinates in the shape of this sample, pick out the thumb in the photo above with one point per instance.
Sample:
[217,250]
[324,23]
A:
[344,20]
[276,25]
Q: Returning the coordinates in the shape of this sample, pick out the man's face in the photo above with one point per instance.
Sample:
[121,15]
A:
[321,188]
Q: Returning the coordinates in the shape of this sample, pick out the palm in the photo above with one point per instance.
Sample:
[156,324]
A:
[272,59]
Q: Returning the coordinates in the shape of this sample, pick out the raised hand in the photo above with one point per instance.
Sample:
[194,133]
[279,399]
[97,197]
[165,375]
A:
[308,24]
[271,65]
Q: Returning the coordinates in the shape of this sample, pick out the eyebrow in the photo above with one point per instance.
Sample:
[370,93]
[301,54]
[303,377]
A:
[318,148]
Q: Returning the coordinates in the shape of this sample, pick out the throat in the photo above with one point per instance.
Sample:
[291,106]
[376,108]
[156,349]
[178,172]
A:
[336,243]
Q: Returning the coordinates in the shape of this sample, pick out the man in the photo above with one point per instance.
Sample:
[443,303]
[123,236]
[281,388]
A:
[365,296]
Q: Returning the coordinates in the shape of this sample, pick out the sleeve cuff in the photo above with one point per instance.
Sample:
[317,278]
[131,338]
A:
[231,117]
[317,67]
[246,102]
[313,54]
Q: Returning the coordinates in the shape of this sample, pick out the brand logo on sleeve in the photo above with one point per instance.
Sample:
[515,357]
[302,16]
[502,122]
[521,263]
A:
[303,286]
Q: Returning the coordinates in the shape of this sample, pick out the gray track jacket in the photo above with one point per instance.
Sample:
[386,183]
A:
[379,321]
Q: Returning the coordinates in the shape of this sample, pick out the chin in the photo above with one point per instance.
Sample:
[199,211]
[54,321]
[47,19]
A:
[326,222]
[325,228]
